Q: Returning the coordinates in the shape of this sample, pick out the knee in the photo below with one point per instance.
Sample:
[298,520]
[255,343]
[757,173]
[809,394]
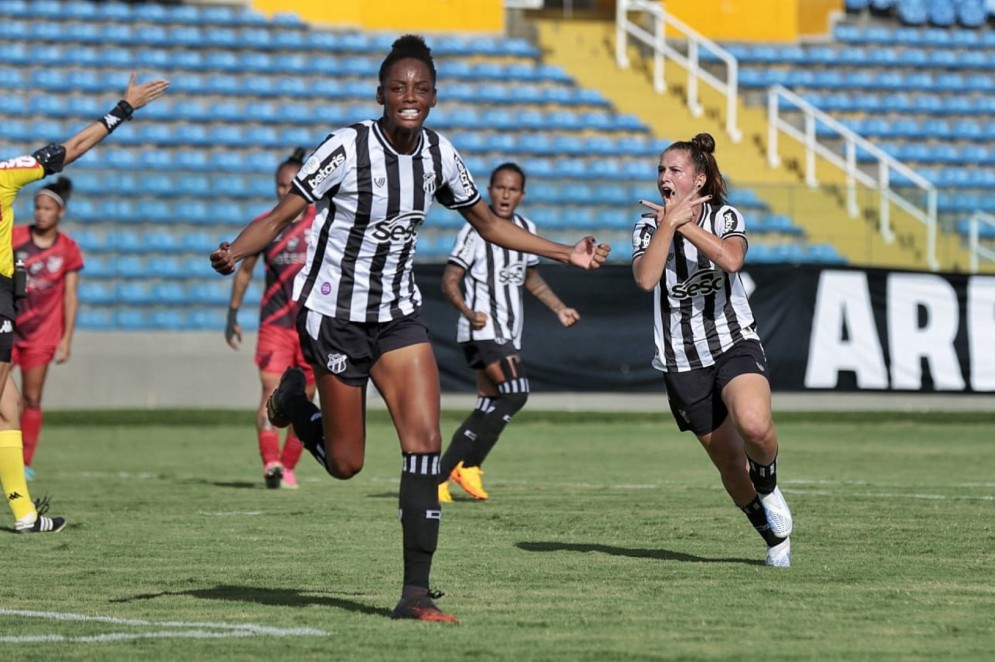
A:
[343,469]
[756,429]
[31,401]
[512,403]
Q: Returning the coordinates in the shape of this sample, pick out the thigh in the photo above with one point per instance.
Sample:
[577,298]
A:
[343,420]
[694,400]
[10,400]
[408,380]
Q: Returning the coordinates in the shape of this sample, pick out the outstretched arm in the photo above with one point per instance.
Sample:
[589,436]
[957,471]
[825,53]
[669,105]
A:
[258,234]
[540,289]
[586,253]
[135,97]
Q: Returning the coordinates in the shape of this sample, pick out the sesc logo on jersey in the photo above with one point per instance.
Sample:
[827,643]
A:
[513,274]
[699,284]
[399,228]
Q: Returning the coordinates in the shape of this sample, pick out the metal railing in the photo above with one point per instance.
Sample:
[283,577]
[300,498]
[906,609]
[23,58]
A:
[657,40]
[976,250]
[778,96]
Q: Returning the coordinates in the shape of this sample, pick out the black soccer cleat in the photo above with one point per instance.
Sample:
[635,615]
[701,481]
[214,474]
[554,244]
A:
[421,608]
[41,524]
[293,384]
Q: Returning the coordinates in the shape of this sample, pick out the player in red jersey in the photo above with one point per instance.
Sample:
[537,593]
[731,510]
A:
[278,347]
[46,317]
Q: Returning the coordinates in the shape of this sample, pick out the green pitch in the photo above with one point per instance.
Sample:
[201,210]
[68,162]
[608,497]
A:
[606,538]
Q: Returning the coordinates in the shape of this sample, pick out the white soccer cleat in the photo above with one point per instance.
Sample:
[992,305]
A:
[778,513]
[779,556]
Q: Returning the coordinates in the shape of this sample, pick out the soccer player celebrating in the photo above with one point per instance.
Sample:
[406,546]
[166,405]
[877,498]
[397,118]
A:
[373,183]
[46,317]
[277,346]
[689,251]
[14,174]
[490,330]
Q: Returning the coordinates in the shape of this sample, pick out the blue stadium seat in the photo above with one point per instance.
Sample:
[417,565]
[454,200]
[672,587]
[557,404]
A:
[169,293]
[95,293]
[95,319]
[134,293]
[166,266]
[130,319]
[168,319]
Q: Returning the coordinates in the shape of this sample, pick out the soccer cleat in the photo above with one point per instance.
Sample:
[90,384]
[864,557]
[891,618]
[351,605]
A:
[421,608]
[469,479]
[779,556]
[778,513]
[38,522]
[292,383]
[289,480]
[445,496]
[273,475]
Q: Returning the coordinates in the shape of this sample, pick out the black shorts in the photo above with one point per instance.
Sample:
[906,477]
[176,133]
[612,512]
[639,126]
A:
[347,349]
[696,396]
[8,315]
[481,353]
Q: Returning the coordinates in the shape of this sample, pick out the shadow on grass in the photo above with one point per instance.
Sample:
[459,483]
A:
[277,597]
[659,554]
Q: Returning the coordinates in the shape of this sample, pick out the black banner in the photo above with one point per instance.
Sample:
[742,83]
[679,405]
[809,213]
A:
[822,328]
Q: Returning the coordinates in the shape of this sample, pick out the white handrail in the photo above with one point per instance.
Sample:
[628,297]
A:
[887,164]
[975,248]
[661,50]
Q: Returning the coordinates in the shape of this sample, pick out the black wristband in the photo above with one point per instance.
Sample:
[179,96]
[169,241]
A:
[122,112]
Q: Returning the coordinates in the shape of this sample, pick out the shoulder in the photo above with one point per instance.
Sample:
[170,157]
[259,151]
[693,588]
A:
[20,234]
[526,223]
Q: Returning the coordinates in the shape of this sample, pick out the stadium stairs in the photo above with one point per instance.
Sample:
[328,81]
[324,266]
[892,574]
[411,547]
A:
[585,48]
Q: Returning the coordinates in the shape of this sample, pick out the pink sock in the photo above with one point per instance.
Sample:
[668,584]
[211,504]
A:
[292,448]
[30,429]
[269,446]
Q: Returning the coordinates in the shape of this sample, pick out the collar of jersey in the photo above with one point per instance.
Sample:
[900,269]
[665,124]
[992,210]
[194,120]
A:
[390,148]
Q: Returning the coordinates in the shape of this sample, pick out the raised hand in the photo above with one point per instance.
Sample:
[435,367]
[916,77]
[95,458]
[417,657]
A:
[588,254]
[679,212]
[145,93]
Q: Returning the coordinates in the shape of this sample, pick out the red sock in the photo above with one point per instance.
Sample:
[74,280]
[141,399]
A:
[292,448]
[30,429]
[269,446]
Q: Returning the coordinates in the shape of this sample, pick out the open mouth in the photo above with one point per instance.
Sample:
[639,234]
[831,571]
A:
[409,114]
[667,192]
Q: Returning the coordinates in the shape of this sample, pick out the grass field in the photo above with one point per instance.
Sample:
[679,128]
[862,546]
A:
[607,537]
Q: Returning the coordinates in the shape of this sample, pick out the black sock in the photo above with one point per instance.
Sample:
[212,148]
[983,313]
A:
[764,476]
[420,515]
[512,398]
[464,438]
[755,512]
[305,417]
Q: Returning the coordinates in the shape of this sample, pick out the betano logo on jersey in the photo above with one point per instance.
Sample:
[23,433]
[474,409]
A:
[513,274]
[399,228]
[324,169]
[464,174]
[700,284]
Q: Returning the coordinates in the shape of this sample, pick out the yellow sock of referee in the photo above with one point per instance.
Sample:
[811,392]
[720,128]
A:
[15,487]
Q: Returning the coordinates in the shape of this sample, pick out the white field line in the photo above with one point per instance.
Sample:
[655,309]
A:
[231,513]
[181,629]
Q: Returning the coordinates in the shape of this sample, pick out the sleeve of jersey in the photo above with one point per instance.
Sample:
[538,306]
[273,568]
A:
[74,257]
[731,224]
[324,169]
[458,189]
[15,173]
[641,235]
[464,248]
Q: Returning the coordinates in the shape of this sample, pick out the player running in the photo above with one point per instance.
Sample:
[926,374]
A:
[277,346]
[688,252]
[374,183]
[490,330]
[46,317]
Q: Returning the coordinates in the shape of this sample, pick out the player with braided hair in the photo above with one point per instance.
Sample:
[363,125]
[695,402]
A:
[46,316]
[277,345]
[688,251]
[15,173]
[490,330]
[374,183]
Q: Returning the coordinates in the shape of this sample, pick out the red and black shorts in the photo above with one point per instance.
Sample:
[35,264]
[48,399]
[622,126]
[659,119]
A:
[695,396]
[279,348]
[347,349]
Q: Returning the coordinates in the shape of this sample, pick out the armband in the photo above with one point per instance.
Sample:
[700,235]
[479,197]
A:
[122,112]
[51,157]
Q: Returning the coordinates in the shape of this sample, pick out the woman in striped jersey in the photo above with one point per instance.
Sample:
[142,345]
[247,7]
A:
[373,184]
[688,251]
[490,330]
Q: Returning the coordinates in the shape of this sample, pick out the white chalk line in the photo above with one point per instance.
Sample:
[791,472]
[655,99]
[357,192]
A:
[183,629]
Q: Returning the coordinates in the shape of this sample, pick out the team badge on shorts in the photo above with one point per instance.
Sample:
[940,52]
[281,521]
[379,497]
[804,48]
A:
[336,363]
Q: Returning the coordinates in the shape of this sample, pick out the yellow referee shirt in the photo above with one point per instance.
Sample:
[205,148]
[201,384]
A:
[14,174]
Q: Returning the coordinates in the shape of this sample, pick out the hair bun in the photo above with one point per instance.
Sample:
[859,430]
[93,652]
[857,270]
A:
[705,142]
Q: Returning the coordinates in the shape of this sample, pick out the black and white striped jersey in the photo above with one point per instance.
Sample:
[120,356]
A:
[371,201]
[699,310]
[493,284]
